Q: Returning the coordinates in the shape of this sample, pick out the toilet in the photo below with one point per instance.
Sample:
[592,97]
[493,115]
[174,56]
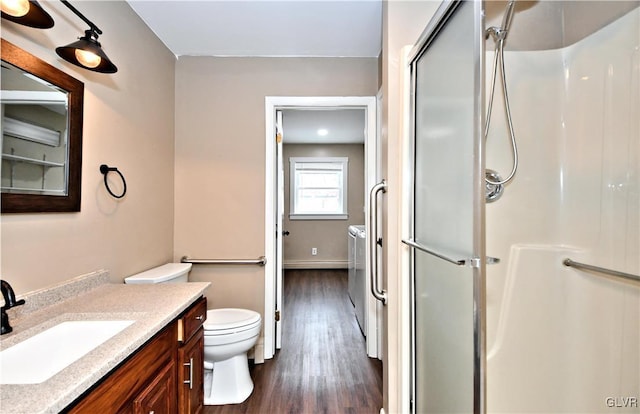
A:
[229,333]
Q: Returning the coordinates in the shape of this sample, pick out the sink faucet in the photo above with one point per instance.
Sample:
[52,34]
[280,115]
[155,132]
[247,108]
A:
[9,302]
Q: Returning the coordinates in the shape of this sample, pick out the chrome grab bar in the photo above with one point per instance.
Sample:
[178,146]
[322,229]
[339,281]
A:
[260,261]
[372,234]
[570,263]
[474,262]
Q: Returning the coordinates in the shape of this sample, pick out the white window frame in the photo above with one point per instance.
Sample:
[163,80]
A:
[345,189]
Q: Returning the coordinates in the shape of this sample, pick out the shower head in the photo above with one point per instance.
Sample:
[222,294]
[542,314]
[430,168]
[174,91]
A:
[500,33]
[508,15]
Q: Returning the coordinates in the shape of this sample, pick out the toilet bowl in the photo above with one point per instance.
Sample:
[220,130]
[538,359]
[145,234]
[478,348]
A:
[229,334]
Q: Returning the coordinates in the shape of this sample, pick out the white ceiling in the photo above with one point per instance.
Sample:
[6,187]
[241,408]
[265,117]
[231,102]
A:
[347,28]
[343,126]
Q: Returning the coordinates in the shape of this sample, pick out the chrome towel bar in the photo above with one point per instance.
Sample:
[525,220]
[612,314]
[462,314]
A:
[414,244]
[473,262]
[260,261]
[578,265]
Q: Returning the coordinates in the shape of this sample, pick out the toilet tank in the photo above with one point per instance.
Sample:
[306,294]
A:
[167,273]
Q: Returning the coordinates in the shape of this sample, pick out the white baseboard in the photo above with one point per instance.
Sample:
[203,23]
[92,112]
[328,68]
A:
[316,264]
[257,352]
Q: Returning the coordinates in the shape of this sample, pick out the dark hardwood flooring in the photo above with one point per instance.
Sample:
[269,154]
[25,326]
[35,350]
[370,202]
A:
[322,366]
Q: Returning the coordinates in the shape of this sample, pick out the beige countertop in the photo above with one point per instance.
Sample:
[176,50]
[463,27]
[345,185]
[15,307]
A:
[152,307]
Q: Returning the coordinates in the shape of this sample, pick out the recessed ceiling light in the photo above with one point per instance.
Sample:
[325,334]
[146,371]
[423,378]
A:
[322,132]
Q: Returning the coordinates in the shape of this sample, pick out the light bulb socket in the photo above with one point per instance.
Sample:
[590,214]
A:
[36,17]
[88,42]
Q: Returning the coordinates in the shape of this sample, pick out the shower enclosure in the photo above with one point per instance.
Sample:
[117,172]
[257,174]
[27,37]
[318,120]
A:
[501,324]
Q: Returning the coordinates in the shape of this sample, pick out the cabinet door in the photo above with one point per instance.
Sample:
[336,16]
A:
[159,397]
[191,375]
[125,384]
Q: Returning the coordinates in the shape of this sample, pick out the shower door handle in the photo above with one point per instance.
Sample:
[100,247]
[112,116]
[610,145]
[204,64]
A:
[372,235]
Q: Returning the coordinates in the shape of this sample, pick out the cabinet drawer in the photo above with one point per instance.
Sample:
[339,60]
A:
[192,320]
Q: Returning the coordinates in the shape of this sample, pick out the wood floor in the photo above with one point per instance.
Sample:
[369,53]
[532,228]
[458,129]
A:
[322,366]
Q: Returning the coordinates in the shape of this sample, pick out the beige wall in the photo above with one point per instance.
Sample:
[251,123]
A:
[329,236]
[403,22]
[128,123]
[220,157]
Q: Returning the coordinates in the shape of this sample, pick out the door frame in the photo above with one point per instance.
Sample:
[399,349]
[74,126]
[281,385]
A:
[272,103]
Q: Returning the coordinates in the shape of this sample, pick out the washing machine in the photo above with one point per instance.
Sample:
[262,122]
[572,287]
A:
[352,235]
[360,282]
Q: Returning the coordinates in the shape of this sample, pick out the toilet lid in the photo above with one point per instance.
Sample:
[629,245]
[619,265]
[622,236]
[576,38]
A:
[159,274]
[229,318]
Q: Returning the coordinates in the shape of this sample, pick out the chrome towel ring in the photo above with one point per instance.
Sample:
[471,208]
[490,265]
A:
[105,169]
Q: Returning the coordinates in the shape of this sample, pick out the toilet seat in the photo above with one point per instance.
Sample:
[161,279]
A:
[230,320]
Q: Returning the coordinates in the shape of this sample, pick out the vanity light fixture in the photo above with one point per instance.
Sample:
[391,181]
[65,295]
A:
[86,52]
[27,13]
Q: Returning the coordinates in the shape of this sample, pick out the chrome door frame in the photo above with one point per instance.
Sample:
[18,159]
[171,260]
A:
[431,31]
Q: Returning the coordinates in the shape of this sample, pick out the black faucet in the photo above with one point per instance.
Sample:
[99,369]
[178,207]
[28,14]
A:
[9,302]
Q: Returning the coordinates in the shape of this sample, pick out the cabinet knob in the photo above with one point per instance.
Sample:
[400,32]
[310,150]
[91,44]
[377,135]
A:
[200,317]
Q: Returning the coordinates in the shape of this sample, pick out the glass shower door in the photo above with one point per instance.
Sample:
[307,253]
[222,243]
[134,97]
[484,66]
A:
[448,256]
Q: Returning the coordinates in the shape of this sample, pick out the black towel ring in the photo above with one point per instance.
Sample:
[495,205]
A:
[104,169]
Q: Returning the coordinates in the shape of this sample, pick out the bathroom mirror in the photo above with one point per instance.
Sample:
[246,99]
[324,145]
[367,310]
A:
[41,135]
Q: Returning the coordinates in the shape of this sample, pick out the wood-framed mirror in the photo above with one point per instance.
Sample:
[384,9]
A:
[42,112]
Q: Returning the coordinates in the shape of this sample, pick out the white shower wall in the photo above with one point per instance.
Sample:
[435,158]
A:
[561,339]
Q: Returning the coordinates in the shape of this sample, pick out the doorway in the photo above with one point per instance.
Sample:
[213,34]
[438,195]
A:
[274,209]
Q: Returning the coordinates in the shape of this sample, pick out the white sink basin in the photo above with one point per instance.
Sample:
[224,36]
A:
[41,356]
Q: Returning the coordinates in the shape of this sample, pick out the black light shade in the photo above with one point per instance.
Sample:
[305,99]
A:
[34,17]
[72,53]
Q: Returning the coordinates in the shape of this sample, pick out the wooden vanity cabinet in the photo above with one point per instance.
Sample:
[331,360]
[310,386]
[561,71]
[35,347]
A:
[191,359]
[165,375]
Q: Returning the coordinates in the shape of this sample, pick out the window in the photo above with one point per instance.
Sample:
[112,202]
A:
[318,188]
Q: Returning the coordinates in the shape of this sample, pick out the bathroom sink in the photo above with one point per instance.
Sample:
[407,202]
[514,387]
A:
[43,355]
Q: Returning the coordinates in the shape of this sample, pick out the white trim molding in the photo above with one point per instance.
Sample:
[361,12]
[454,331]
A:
[316,264]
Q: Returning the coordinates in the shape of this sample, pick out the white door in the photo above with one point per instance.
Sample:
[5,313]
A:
[279,229]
